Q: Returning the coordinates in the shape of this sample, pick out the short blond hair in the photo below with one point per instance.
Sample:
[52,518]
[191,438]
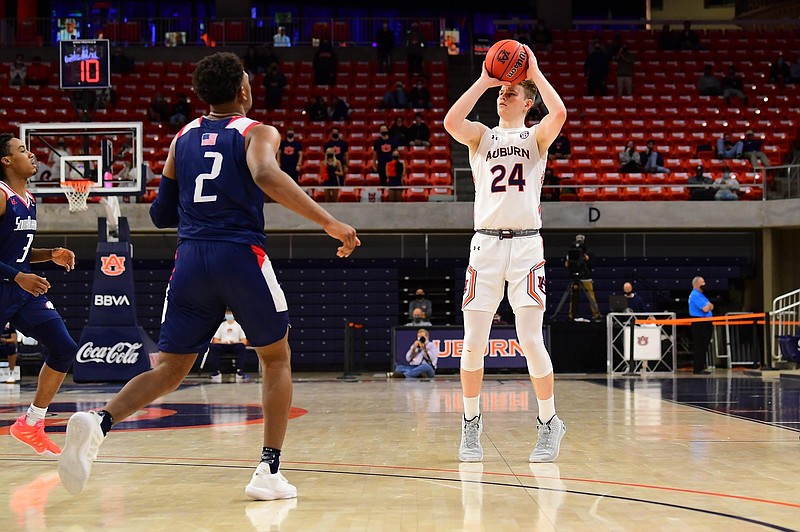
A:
[531,91]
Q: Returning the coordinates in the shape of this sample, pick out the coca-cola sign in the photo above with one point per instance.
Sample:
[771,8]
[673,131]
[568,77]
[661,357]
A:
[119,353]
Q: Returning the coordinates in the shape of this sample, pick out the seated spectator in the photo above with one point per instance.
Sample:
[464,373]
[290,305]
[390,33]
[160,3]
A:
[395,173]
[38,73]
[708,84]
[560,148]
[419,134]
[122,63]
[551,189]
[325,64]
[751,149]
[280,39]
[630,162]
[399,131]
[180,112]
[421,302]
[541,37]
[229,338]
[338,110]
[635,302]
[732,85]
[332,175]
[290,155]
[667,40]
[779,71]
[419,319]
[274,85]
[726,186]
[699,183]
[422,357]
[18,72]
[794,72]
[419,97]
[397,98]
[315,109]
[687,39]
[727,149]
[653,160]
[159,108]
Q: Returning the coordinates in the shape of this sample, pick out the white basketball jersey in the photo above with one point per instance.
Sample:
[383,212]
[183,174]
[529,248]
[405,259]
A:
[508,174]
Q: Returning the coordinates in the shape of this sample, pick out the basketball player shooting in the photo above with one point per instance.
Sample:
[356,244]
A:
[218,169]
[508,163]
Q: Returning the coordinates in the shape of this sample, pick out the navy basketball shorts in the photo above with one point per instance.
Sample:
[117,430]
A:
[7,349]
[24,310]
[209,276]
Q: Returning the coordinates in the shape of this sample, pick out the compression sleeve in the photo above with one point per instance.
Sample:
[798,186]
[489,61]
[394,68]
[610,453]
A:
[164,210]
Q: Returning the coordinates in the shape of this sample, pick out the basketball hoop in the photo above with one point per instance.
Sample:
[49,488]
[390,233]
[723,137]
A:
[77,192]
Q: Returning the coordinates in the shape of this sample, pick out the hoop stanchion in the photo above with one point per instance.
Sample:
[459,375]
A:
[77,192]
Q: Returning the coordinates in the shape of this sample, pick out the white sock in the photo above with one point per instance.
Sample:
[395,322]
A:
[472,406]
[547,408]
[35,414]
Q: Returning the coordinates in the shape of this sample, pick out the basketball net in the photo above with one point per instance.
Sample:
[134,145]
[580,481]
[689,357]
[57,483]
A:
[77,192]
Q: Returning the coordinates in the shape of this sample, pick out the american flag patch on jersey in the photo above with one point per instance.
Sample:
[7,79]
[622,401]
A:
[208,139]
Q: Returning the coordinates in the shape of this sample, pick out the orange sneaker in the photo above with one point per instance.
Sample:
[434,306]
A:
[34,436]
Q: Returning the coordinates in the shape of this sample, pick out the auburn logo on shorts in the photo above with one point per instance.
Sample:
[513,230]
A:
[112,265]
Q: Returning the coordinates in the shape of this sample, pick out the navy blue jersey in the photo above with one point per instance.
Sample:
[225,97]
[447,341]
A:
[17,228]
[218,199]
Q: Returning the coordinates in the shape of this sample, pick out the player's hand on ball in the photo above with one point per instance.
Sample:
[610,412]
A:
[489,80]
[533,64]
[63,257]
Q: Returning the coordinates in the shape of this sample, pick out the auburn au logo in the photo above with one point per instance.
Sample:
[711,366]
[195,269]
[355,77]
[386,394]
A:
[112,265]
[502,56]
[642,340]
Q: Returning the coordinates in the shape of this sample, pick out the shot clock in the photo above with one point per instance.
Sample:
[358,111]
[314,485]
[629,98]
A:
[84,64]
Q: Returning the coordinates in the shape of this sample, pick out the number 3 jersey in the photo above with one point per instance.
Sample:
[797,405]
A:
[218,199]
[17,229]
[508,174]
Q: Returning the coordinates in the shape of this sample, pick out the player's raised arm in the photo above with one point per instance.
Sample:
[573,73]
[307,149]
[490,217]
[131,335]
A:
[550,126]
[263,142]
[465,131]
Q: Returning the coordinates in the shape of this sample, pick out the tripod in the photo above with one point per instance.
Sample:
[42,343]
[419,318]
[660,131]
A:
[576,285]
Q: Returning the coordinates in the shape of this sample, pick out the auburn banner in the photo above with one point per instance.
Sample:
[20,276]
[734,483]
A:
[503,350]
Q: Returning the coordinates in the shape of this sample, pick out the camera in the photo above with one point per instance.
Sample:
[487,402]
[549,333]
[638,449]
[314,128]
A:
[576,261]
[422,339]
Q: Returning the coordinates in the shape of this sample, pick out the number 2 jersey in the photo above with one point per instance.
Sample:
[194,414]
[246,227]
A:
[508,174]
[218,199]
[17,229]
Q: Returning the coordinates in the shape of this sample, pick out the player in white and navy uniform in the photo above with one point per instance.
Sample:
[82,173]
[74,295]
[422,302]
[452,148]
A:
[508,165]
[218,169]
[22,293]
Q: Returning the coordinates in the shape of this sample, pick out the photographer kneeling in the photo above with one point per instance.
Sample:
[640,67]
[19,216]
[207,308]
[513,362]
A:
[422,357]
[579,264]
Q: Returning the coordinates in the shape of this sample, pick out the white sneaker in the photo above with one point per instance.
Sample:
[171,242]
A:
[216,378]
[240,377]
[548,444]
[84,437]
[470,449]
[264,486]
[11,379]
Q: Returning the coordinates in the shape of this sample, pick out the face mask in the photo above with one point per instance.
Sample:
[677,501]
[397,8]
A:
[384,133]
[335,136]
[420,296]
[290,136]
[396,157]
[628,293]
[228,317]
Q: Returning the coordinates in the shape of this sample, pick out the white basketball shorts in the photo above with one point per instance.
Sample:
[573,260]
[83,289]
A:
[493,262]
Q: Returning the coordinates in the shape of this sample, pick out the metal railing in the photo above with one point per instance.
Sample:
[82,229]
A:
[352,31]
[784,319]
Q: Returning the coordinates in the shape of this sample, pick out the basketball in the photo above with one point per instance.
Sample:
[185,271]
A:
[507,60]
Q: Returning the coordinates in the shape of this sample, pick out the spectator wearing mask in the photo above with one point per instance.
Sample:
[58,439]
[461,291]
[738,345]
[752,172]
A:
[751,149]
[338,110]
[290,155]
[629,159]
[280,39]
[419,97]
[726,186]
[382,150]
[700,185]
[316,110]
[395,173]
[702,331]
[653,160]
[332,175]
[419,134]
[18,72]
[635,302]
[419,319]
[421,358]
[340,147]
[420,302]
[399,131]
[397,98]
[229,339]
[727,149]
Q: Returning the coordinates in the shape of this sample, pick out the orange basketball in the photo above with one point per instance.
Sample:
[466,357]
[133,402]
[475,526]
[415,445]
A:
[507,60]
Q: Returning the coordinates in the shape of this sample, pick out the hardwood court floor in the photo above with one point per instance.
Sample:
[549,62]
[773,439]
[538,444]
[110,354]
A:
[378,454]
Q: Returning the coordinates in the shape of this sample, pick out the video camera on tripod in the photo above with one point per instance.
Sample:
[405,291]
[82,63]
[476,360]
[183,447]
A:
[576,257]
